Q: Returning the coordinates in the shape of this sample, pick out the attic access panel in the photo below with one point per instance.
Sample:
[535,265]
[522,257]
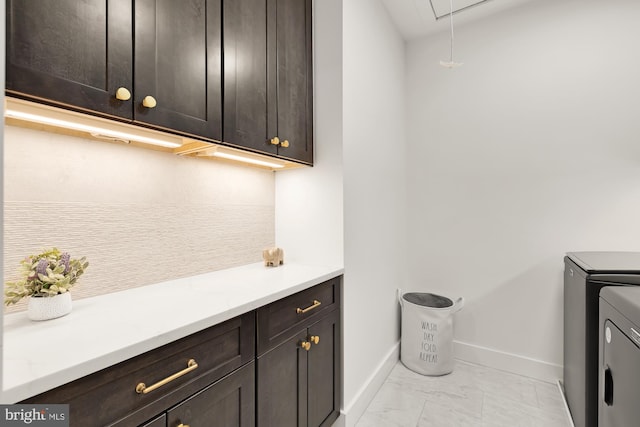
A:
[442,8]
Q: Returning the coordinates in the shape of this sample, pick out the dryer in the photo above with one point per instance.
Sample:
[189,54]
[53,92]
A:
[585,274]
[619,357]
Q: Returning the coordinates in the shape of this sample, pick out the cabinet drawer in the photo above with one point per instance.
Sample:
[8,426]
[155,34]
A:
[109,397]
[161,421]
[229,402]
[278,320]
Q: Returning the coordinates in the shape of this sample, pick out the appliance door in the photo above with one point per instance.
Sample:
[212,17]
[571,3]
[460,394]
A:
[620,370]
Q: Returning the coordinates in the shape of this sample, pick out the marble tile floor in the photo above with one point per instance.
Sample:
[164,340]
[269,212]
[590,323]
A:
[471,396]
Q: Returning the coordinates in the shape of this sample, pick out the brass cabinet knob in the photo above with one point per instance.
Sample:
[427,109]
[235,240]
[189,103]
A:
[275,140]
[314,339]
[305,345]
[183,425]
[123,94]
[149,101]
[284,143]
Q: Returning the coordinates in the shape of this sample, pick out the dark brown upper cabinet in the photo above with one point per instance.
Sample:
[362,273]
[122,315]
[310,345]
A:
[268,81]
[71,53]
[166,64]
[177,66]
[82,55]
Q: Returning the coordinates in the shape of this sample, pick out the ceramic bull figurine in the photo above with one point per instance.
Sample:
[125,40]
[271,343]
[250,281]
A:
[273,257]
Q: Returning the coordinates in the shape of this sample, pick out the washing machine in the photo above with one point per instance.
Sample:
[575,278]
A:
[619,357]
[585,274]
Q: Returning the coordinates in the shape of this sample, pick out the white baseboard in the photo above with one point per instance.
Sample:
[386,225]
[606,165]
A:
[509,362]
[565,403]
[357,406]
[341,421]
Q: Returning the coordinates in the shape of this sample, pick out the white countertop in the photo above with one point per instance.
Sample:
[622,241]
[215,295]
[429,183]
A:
[108,329]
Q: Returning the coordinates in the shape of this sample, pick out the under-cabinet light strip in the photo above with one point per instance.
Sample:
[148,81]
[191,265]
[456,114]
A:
[94,130]
[240,158]
[26,111]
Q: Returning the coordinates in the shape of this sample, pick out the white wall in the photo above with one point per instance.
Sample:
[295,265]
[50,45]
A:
[309,201]
[374,194]
[359,135]
[529,150]
[132,212]
[309,209]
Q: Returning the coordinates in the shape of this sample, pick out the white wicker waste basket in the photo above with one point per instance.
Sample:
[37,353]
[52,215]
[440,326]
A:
[427,332]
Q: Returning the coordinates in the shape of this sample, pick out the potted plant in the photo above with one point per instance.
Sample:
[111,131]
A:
[46,278]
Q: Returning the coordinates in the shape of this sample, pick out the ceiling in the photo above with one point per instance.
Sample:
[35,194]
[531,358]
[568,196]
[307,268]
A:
[441,8]
[415,18]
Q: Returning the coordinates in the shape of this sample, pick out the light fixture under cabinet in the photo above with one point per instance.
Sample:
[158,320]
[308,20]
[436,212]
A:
[227,154]
[30,114]
[95,126]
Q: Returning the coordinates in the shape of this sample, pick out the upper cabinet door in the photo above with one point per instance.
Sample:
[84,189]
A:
[178,66]
[70,52]
[245,75]
[268,82]
[292,73]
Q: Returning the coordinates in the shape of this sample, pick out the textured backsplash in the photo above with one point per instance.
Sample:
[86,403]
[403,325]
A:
[140,217]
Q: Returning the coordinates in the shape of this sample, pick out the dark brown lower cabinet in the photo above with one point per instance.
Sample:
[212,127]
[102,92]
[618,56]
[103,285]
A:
[294,382]
[228,403]
[161,421]
[111,397]
[323,372]
[299,379]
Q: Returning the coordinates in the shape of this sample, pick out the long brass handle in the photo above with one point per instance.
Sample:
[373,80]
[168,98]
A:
[123,94]
[305,345]
[141,388]
[315,304]
[149,102]
[284,143]
[275,140]
[314,339]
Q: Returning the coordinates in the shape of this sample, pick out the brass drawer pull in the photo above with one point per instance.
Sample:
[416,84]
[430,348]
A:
[315,304]
[314,339]
[306,345]
[141,388]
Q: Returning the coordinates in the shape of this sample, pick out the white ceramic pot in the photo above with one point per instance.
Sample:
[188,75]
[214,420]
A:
[45,308]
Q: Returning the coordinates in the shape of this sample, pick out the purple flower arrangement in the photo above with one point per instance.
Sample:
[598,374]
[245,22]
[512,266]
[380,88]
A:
[47,274]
